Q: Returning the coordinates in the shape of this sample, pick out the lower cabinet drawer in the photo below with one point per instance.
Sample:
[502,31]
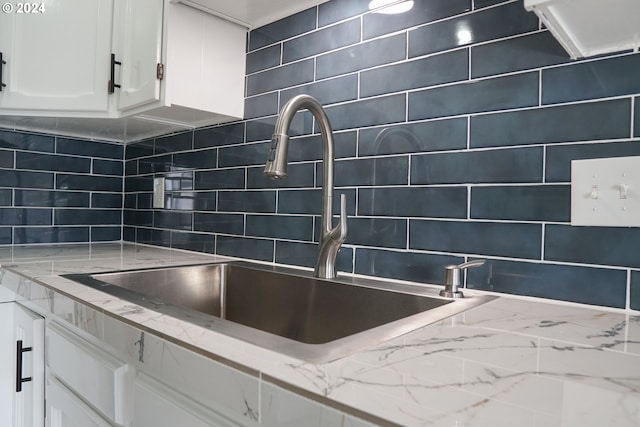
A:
[64,409]
[93,375]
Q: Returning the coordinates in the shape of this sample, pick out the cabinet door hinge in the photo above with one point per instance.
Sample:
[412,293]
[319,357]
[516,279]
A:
[160,71]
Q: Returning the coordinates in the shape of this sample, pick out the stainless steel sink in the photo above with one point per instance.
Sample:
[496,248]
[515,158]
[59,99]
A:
[282,309]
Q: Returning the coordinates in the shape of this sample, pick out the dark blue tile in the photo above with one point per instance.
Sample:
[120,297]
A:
[361,56]
[221,178]
[83,147]
[243,155]
[129,234]
[300,175]
[593,79]
[567,123]
[155,164]
[472,28]
[376,24]
[107,167]
[106,200]
[247,201]
[178,142]
[28,216]
[482,238]
[6,158]
[153,237]
[280,227]
[430,71]
[306,254]
[310,201]
[379,232]
[498,166]
[262,59]
[323,40]
[24,179]
[139,149]
[635,290]
[516,54]
[51,162]
[205,200]
[448,134]
[173,220]
[415,267]
[369,112]
[131,167]
[445,202]
[201,159]
[219,135]
[26,141]
[558,161]
[593,245]
[193,242]
[281,77]
[138,183]
[6,197]
[143,200]
[262,129]
[105,234]
[137,217]
[370,171]
[6,235]
[87,216]
[31,235]
[526,203]
[337,10]
[45,198]
[243,247]
[218,223]
[283,29]
[500,93]
[330,91]
[636,121]
[131,201]
[560,282]
[261,105]
[89,183]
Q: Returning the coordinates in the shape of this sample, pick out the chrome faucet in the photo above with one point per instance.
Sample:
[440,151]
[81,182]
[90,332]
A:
[276,168]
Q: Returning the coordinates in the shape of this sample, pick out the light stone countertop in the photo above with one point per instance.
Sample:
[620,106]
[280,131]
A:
[512,361]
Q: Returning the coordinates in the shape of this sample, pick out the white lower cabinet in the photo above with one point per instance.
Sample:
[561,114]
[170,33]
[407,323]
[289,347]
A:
[21,367]
[65,409]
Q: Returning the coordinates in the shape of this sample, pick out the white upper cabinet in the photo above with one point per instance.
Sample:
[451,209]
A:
[153,61]
[56,60]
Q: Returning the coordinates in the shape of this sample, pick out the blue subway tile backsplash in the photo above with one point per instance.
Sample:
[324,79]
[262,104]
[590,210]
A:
[455,127]
[59,190]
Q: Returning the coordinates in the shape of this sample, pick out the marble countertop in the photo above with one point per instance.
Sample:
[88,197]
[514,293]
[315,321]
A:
[511,361]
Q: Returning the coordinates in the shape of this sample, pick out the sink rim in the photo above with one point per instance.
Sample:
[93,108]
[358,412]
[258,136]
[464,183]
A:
[314,353]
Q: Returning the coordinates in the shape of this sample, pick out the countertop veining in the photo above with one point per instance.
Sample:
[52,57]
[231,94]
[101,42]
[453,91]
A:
[509,362]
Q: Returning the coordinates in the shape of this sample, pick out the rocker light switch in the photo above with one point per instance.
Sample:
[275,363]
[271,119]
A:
[606,192]
[158,193]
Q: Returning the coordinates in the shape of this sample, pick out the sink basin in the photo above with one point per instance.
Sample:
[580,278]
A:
[285,310]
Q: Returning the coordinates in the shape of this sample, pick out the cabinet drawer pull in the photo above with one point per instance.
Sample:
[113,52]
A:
[2,62]
[19,379]
[112,82]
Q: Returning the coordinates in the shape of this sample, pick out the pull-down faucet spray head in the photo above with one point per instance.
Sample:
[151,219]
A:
[276,166]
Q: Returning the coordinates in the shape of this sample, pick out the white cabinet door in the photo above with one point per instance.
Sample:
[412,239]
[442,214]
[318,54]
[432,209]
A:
[159,406]
[138,47]
[21,367]
[57,61]
[64,409]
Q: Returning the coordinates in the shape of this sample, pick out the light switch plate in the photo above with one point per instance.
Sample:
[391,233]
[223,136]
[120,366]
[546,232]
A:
[158,193]
[606,192]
